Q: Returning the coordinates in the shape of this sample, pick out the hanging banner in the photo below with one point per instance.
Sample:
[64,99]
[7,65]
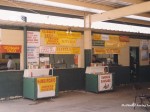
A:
[114,38]
[33,55]
[10,48]
[67,50]
[124,39]
[98,43]
[59,34]
[105,82]
[61,41]
[144,45]
[106,50]
[46,87]
[47,50]
[96,37]
[33,38]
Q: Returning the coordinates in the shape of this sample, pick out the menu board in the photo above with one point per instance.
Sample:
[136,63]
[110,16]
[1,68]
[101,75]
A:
[33,38]
[32,55]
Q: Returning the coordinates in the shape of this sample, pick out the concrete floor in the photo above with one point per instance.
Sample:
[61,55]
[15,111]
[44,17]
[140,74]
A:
[77,101]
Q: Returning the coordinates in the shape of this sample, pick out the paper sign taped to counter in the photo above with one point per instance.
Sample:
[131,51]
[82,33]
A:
[46,87]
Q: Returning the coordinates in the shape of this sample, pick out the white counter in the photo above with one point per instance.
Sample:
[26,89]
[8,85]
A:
[36,72]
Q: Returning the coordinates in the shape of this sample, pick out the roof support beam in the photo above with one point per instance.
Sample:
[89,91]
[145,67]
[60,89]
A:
[133,1]
[31,6]
[95,6]
[122,12]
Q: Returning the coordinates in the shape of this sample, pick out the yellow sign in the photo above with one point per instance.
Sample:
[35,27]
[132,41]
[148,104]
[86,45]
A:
[59,34]
[47,87]
[106,50]
[115,44]
[114,38]
[61,41]
[96,37]
[67,50]
[47,84]
[47,33]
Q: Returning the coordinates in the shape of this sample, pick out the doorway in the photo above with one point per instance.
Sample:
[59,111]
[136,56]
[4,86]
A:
[134,64]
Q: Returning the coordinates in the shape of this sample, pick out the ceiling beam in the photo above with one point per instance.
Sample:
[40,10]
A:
[31,6]
[133,22]
[133,1]
[94,6]
[59,27]
[121,12]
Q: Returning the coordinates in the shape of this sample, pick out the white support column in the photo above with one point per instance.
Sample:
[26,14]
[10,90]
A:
[87,32]
[87,40]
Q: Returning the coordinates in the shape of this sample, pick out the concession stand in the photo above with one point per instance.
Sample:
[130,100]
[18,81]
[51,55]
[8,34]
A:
[48,50]
[106,48]
[98,79]
[37,83]
[10,50]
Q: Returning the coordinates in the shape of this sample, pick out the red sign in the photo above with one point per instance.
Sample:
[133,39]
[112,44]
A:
[10,48]
[124,39]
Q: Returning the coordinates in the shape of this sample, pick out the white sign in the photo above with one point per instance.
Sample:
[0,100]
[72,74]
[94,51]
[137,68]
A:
[105,82]
[105,37]
[33,38]
[46,87]
[47,50]
[144,44]
[32,55]
[36,72]
[96,70]
[45,93]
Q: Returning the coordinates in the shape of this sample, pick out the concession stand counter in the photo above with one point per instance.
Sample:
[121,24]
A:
[37,83]
[98,79]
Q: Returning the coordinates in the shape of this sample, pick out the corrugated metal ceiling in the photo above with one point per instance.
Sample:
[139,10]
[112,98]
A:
[112,3]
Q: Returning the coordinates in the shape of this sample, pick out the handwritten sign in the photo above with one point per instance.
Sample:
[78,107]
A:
[47,50]
[105,82]
[33,55]
[106,50]
[67,50]
[96,37]
[115,44]
[10,48]
[33,38]
[46,87]
[60,41]
[59,34]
